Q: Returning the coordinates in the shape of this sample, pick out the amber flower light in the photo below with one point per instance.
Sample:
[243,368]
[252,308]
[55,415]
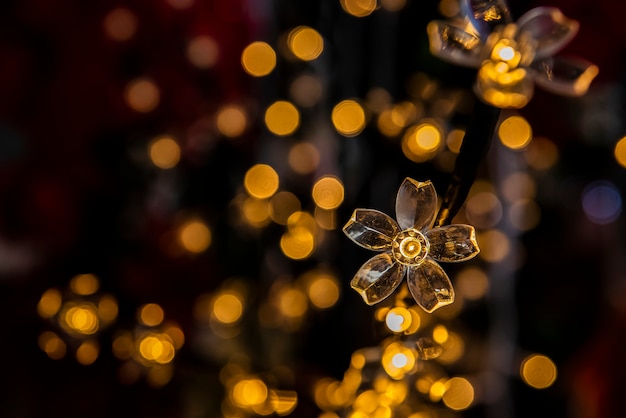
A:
[512,57]
[409,247]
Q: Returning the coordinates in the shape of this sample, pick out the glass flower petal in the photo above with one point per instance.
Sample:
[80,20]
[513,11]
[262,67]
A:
[565,76]
[378,278]
[549,28]
[416,204]
[371,229]
[427,349]
[452,243]
[430,285]
[485,14]
[454,44]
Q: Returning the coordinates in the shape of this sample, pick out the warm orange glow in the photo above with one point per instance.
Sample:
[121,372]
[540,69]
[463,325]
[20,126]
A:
[195,236]
[87,352]
[81,318]
[323,290]
[348,118]
[282,205]
[52,345]
[203,51]
[231,121]
[120,24]
[228,307]
[150,314]
[156,348]
[84,284]
[541,153]
[261,181]
[358,8]
[620,152]
[256,211]
[524,214]
[515,132]
[472,283]
[142,95]
[494,245]
[306,90]
[459,394]
[398,319]
[297,243]
[164,152]
[421,142]
[304,158]
[305,43]
[282,118]
[328,192]
[249,392]
[49,303]
[258,59]
[538,371]
[454,139]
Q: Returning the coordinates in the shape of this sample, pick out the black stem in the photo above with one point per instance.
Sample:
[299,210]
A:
[475,146]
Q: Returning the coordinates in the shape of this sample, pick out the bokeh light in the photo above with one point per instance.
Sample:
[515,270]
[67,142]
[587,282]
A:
[303,158]
[542,153]
[150,314]
[231,120]
[328,192]
[358,8]
[494,245]
[348,118]
[538,371]
[602,202]
[194,236]
[261,181]
[282,118]
[305,43]
[120,24]
[515,132]
[306,90]
[164,152]
[472,283]
[142,95]
[258,59]
[459,394]
[620,152]
[282,205]
[203,51]
[228,307]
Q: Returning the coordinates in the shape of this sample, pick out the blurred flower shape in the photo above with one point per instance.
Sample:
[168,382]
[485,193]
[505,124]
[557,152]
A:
[512,57]
[409,247]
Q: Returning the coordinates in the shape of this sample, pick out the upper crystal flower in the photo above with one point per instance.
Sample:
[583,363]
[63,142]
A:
[409,246]
[513,55]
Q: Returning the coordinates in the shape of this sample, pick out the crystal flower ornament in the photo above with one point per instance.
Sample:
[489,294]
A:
[409,247]
[512,57]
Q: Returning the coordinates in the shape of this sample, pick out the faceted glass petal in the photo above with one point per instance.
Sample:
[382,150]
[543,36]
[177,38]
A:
[452,243]
[565,76]
[416,204]
[378,278]
[454,44]
[549,28]
[486,14]
[371,229]
[427,349]
[430,285]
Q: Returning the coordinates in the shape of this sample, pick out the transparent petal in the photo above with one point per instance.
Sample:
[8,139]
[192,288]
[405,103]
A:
[427,349]
[416,204]
[486,14]
[371,229]
[378,278]
[430,285]
[565,76]
[549,28]
[496,88]
[452,243]
[454,44]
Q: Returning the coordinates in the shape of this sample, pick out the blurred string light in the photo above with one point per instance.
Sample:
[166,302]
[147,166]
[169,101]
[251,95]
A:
[541,154]
[348,117]
[282,118]
[620,151]
[538,371]
[203,51]
[231,120]
[164,152]
[258,59]
[79,314]
[358,8]
[305,43]
[149,349]
[194,235]
[120,24]
[602,202]
[142,95]
[515,132]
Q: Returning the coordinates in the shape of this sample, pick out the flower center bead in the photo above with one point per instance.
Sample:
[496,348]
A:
[410,247]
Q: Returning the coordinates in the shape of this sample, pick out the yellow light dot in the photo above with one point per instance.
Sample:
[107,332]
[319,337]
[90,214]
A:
[323,291]
[348,118]
[227,308]
[123,345]
[258,59]
[620,152]
[483,210]
[84,284]
[428,137]
[454,139]
[142,95]
[292,302]
[472,283]
[150,314]
[82,319]
[436,391]
[328,192]
[398,319]
[87,352]
[283,402]
[249,392]
[494,245]
[158,375]
[459,394]
[358,8]
[282,118]
[261,181]
[231,121]
[203,51]
[420,143]
[306,90]
[49,303]
[157,348]
[304,158]
[440,334]
[195,236]
[297,243]
[524,214]
[398,360]
[305,43]
[506,53]
[386,124]
[541,153]
[518,185]
[515,132]
[120,24]
[326,218]
[107,307]
[538,371]
[393,5]
[256,211]
[52,345]
[282,205]
[164,152]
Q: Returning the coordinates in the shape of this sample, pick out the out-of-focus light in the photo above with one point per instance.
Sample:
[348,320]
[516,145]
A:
[282,118]
[108,308]
[483,210]
[157,348]
[524,214]
[150,314]
[366,402]
[297,243]
[203,51]
[454,139]
[472,283]
[142,95]
[49,303]
[421,142]
[80,318]
[378,99]
[386,125]
[228,307]
[398,360]
[164,152]
[602,202]
[261,181]
[303,158]
[123,345]
[449,8]
[518,185]
[323,290]
[326,218]
[282,205]
[84,284]
[180,4]
[87,352]
[328,192]
[305,43]
[453,349]
[620,152]
[306,90]
[494,245]
[52,345]
[538,371]
[459,394]
[541,153]
[231,121]
[249,392]
[195,236]
[120,24]
[358,8]
[393,5]
[256,211]
[283,402]
[440,334]
[404,113]
[175,333]
[292,302]
[258,59]
[398,319]
[159,375]
[515,132]
[348,118]
[437,390]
